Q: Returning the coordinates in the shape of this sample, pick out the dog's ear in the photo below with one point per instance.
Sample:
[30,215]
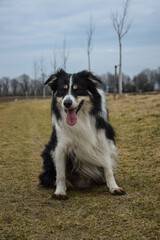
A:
[94,78]
[91,77]
[53,79]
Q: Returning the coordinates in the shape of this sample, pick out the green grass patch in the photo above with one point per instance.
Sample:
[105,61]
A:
[27,212]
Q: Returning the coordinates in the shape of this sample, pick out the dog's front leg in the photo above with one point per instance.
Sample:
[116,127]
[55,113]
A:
[111,182]
[60,164]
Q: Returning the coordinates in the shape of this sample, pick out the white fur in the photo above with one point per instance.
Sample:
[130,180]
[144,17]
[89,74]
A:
[70,84]
[103,103]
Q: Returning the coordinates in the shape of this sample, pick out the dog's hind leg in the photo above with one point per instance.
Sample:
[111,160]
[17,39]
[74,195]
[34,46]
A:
[48,176]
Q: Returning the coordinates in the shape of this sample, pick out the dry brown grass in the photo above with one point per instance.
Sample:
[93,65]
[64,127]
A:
[28,212]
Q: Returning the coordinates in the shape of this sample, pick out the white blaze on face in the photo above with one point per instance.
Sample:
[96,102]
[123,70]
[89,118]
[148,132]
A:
[71,117]
[69,96]
[70,84]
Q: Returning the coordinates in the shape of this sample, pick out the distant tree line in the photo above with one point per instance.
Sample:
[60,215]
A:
[22,86]
[146,81]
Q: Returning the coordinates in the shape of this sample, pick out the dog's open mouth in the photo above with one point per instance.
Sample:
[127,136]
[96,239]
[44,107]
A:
[71,117]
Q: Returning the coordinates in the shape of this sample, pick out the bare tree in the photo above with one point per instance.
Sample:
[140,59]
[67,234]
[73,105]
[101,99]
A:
[24,84]
[14,85]
[35,68]
[65,55]
[90,33]
[1,87]
[115,82]
[35,79]
[42,67]
[5,84]
[121,27]
[54,62]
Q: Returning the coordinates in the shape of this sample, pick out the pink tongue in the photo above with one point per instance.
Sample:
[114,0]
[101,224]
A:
[71,118]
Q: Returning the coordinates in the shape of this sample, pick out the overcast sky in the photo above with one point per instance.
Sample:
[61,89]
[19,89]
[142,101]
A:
[30,29]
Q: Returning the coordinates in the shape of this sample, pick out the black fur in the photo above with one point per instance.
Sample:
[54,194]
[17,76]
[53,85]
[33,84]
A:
[109,131]
[48,176]
[54,109]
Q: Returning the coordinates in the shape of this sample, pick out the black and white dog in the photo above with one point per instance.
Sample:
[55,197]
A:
[81,150]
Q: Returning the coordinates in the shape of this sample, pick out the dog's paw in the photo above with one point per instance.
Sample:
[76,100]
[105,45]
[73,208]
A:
[117,191]
[59,197]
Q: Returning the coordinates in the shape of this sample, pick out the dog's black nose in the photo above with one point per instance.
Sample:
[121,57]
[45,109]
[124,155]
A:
[68,103]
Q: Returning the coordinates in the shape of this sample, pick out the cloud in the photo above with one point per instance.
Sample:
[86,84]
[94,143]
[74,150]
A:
[29,28]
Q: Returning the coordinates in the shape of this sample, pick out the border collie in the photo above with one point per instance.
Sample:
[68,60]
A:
[81,150]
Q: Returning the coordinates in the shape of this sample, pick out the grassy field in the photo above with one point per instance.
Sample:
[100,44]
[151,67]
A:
[27,212]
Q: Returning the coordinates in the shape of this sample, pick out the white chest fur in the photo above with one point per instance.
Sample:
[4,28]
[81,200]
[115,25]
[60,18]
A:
[89,144]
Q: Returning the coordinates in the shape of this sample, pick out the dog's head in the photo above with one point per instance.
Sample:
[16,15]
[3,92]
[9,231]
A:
[73,92]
